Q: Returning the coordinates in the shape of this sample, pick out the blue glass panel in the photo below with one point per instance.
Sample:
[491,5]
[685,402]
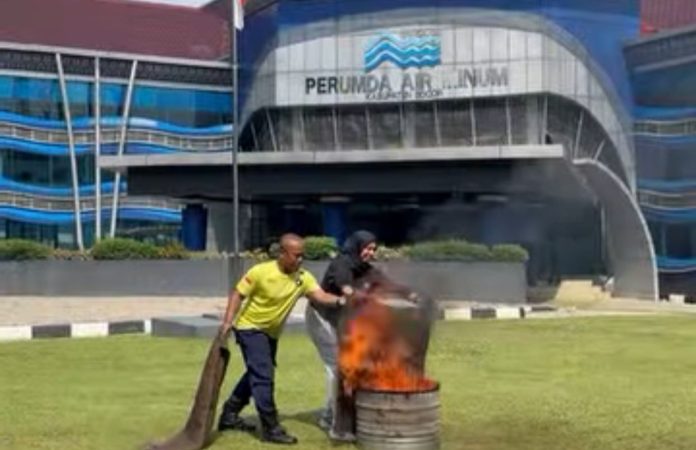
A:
[79,92]
[112,94]
[182,107]
[68,217]
[85,190]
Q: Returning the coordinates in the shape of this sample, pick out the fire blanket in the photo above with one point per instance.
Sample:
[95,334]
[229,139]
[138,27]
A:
[196,433]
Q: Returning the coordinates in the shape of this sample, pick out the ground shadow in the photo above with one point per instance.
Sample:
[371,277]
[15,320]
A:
[310,417]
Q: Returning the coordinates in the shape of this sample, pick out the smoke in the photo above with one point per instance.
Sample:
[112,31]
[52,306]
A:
[540,206]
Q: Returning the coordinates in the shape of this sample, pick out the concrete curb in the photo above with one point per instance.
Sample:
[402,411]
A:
[103,329]
[74,330]
[492,312]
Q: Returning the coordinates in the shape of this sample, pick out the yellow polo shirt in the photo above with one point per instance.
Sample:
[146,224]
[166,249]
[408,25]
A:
[270,294]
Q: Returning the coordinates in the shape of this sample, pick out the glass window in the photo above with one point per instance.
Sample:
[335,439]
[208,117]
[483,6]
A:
[319,129]
[46,234]
[247,140]
[152,232]
[521,122]
[185,107]
[491,121]
[610,158]
[80,97]
[265,139]
[112,99]
[66,236]
[563,117]
[424,124]
[42,98]
[678,241]
[454,118]
[591,137]
[680,162]
[43,170]
[281,121]
[352,128]
[385,125]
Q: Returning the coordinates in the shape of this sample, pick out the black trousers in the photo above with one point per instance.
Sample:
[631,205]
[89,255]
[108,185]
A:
[259,353]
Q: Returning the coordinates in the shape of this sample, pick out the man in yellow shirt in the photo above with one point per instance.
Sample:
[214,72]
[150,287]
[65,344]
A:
[257,309]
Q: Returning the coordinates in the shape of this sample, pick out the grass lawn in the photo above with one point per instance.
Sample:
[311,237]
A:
[571,384]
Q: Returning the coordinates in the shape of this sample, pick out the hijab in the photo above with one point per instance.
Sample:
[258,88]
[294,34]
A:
[355,244]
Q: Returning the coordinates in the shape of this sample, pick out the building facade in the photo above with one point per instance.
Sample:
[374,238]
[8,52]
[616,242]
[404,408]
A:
[494,121]
[69,97]
[560,125]
[663,72]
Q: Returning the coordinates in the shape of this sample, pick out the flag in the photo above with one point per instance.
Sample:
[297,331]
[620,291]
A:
[238,14]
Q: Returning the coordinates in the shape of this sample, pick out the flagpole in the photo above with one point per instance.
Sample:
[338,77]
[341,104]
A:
[235,139]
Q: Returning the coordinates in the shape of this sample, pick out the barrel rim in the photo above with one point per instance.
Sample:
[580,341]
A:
[435,388]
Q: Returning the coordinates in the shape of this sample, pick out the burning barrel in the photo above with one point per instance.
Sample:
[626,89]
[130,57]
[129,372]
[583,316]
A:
[395,420]
[382,361]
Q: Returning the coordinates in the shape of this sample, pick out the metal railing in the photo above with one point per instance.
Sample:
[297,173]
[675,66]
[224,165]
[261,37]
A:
[675,200]
[204,143]
[44,203]
[671,46]
[684,127]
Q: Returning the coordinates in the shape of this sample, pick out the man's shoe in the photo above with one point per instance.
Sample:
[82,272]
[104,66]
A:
[278,435]
[234,422]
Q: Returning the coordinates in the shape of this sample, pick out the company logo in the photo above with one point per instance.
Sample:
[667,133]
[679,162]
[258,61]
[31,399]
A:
[403,51]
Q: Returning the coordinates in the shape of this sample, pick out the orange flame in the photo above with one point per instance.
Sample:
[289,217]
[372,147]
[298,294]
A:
[375,355]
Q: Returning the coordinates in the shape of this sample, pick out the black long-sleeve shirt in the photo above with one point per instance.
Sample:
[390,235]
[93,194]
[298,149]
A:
[343,271]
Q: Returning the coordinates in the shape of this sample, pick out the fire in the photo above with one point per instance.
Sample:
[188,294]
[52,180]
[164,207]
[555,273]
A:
[375,353]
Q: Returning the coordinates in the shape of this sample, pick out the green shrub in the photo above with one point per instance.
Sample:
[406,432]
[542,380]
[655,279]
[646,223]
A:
[173,250]
[509,253]
[120,248]
[257,255]
[204,255]
[22,250]
[320,247]
[461,250]
[385,253]
[449,250]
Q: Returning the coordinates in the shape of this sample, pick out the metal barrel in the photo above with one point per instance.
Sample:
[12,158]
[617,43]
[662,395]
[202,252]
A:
[398,420]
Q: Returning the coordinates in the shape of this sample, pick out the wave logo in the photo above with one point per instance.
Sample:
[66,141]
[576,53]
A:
[403,52]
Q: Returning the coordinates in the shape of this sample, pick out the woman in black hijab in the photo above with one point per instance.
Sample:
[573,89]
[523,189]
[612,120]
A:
[345,272]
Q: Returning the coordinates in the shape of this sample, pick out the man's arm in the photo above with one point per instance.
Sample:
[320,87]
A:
[321,296]
[233,301]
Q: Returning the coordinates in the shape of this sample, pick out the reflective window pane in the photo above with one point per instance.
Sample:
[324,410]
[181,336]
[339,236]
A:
[454,118]
[424,123]
[319,129]
[352,128]
[491,121]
